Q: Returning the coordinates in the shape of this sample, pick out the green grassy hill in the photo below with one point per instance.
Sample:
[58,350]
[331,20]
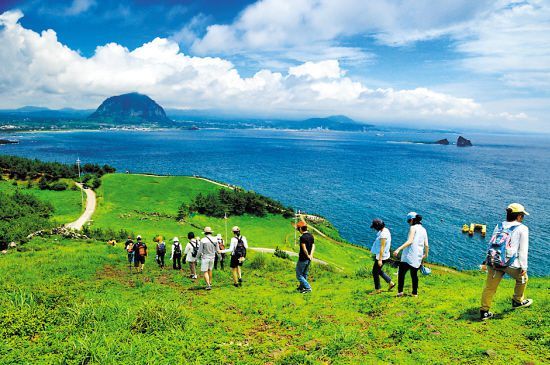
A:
[74,302]
[67,204]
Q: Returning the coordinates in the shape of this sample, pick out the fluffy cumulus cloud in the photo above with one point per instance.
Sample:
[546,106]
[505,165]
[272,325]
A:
[37,69]
[506,38]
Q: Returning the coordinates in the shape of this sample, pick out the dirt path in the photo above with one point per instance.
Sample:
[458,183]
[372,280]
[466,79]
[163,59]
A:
[290,253]
[90,209]
[214,182]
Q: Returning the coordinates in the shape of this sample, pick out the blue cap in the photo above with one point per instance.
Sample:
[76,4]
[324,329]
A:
[411,215]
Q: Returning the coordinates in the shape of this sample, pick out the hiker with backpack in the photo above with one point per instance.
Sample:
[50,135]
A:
[238,248]
[220,257]
[507,254]
[129,246]
[140,253]
[207,253]
[307,248]
[176,254]
[191,252]
[381,249]
[161,251]
[415,250]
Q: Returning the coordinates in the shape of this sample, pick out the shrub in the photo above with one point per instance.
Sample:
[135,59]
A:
[258,262]
[363,272]
[281,254]
[59,186]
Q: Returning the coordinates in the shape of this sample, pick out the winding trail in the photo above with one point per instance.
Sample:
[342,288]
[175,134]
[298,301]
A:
[90,209]
[291,253]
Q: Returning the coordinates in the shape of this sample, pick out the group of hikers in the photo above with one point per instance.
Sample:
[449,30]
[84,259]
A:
[507,254]
[209,251]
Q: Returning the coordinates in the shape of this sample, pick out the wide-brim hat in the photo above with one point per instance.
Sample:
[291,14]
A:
[207,230]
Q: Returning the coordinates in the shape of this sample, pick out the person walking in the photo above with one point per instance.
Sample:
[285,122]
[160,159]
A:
[207,253]
[191,253]
[415,250]
[238,248]
[507,254]
[381,248]
[161,251]
[129,246]
[307,248]
[220,257]
[176,254]
[140,253]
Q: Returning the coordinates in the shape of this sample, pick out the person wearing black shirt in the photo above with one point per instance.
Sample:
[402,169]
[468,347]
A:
[307,247]
[140,252]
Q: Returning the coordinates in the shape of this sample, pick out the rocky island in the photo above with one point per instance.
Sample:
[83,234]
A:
[463,142]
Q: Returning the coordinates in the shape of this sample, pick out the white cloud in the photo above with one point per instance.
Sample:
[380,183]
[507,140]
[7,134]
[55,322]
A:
[512,43]
[79,6]
[37,69]
[506,38]
[288,24]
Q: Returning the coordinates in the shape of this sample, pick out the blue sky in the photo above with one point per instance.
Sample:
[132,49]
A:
[418,62]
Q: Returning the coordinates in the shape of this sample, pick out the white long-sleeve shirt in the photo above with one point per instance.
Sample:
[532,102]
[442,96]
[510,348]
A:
[174,249]
[519,244]
[233,245]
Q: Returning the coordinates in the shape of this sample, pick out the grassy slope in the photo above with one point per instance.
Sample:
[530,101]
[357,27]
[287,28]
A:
[75,303]
[120,196]
[67,204]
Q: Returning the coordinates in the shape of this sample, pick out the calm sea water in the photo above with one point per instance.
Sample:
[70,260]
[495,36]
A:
[350,178]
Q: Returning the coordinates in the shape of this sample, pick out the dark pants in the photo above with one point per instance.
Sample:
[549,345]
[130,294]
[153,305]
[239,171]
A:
[377,272]
[403,268]
[160,259]
[176,262]
[219,258]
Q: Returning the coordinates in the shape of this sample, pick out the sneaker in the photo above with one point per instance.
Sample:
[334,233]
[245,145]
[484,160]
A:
[400,295]
[484,315]
[194,277]
[305,291]
[208,287]
[392,285]
[240,280]
[236,285]
[523,304]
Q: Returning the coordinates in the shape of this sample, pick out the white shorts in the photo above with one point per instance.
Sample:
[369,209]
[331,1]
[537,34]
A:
[207,264]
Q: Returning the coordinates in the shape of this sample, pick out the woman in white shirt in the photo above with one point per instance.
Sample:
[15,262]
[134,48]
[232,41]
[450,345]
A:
[238,248]
[415,250]
[191,253]
[381,248]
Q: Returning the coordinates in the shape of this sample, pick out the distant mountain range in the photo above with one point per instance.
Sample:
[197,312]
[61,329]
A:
[138,110]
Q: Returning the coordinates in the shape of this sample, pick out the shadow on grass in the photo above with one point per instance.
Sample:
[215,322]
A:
[472,315]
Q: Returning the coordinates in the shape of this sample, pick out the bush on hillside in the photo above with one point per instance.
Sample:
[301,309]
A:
[22,214]
[281,254]
[237,202]
[20,168]
[107,234]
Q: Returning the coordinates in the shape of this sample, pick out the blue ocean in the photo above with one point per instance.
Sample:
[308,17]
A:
[349,178]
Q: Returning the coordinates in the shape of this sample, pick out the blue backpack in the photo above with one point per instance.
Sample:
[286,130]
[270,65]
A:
[499,246]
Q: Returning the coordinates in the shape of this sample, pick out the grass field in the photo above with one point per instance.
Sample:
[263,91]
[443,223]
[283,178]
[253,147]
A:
[67,204]
[70,302]
[75,302]
[140,204]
